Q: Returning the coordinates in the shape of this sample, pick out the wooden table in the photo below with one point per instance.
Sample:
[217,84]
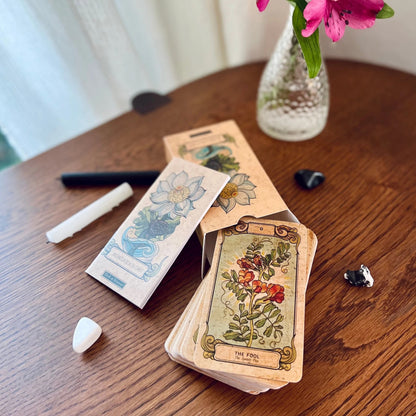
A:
[360,343]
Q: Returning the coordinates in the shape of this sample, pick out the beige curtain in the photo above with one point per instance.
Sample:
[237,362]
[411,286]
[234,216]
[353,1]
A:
[70,65]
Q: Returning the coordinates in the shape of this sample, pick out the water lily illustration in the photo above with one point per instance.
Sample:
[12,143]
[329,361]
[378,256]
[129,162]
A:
[239,190]
[175,195]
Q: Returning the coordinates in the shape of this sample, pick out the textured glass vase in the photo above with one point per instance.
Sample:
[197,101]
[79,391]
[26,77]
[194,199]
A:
[290,105]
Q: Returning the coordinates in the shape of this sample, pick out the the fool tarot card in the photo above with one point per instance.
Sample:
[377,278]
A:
[253,316]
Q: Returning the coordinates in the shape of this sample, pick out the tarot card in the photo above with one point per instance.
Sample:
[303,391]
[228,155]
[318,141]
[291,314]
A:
[178,338]
[248,384]
[181,342]
[311,250]
[253,323]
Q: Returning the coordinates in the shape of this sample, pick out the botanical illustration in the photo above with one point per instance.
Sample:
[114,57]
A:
[172,201]
[239,190]
[258,315]
[253,301]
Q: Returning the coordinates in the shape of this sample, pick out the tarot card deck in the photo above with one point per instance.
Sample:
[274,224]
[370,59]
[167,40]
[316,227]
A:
[244,325]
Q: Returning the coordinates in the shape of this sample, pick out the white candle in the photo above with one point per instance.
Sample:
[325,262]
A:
[89,214]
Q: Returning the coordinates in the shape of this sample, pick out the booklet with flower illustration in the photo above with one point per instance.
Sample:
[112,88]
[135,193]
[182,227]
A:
[142,250]
[245,324]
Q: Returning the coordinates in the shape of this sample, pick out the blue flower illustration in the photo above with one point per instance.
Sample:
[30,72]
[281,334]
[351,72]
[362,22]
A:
[176,194]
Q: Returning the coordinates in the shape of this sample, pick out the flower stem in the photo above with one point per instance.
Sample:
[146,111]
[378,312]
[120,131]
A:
[250,311]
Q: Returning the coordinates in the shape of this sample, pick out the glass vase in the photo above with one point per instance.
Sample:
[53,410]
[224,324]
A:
[290,105]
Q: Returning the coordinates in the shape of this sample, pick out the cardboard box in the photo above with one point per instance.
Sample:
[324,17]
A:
[250,192]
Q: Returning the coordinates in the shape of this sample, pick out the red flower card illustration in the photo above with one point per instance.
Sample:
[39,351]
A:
[250,319]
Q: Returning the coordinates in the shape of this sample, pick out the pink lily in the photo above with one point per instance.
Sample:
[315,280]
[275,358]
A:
[337,14]
[262,4]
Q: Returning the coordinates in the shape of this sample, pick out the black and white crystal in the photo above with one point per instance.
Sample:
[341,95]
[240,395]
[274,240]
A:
[309,179]
[360,277]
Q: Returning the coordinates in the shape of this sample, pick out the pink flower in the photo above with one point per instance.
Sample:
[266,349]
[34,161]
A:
[262,4]
[337,14]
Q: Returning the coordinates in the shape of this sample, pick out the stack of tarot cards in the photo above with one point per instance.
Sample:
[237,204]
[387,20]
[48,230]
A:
[244,326]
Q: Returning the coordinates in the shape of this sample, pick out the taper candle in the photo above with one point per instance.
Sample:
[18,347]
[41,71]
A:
[89,214]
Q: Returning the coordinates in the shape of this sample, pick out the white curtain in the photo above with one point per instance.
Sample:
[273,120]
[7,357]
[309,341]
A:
[70,65]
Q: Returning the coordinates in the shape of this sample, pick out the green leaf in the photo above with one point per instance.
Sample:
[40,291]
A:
[271,272]
[244,329]
[234,275]
[232,335]
[244,313]
[228,138]
[310,45]
[254,315]
[243,321]
[236,318]
[241,307]
[242,297]
[274,313]
[269,307]
[385,12]
[268,331]
[232,325]
[260,323]
[226,275]
[300,3]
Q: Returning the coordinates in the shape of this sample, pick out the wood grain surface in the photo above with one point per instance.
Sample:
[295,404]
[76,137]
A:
[360,343]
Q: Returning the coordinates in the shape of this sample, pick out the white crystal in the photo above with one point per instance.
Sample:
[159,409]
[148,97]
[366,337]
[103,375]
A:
[86,333]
